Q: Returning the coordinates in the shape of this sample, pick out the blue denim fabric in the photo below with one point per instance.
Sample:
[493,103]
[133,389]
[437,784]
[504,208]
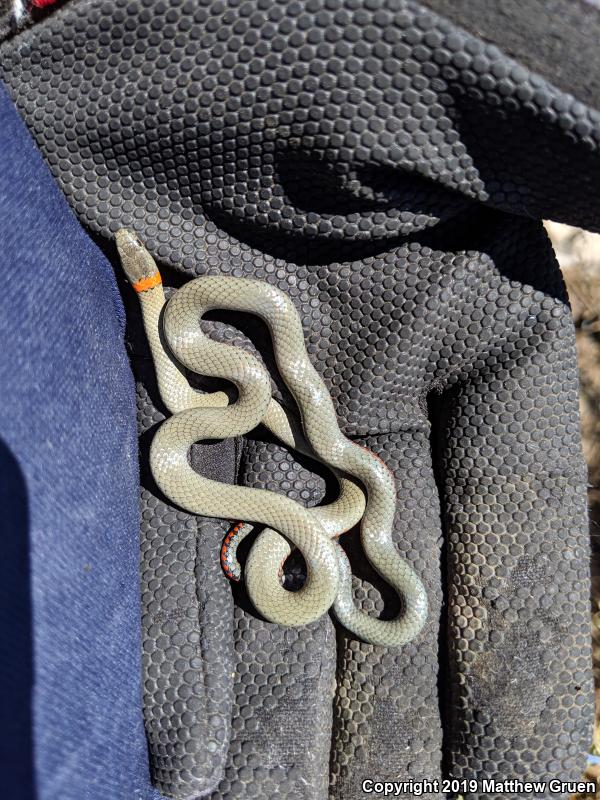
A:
[70,717]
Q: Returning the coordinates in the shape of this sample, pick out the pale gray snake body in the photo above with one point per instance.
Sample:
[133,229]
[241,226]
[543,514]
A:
[197,416]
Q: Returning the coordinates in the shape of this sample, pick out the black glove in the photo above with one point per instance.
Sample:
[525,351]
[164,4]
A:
[346,152]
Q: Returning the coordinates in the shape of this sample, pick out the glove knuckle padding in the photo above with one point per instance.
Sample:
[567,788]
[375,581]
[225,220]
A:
[283,142]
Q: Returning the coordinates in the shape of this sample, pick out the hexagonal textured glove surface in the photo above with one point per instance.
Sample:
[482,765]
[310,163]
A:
[385,168]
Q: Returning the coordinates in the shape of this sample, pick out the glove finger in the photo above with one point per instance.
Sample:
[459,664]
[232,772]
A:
[187,615]
[284,677]
[514,506]
[386,716]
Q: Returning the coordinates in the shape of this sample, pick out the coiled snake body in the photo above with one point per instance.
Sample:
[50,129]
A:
[198,416]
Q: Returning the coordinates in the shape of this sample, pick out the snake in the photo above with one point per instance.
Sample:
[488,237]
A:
[367,491]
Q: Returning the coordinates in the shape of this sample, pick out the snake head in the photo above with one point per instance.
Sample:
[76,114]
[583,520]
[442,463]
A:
[137,262]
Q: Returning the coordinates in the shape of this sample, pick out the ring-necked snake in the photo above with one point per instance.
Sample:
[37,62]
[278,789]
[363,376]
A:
[197,416]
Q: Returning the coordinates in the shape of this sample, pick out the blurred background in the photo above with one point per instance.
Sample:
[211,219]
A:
[578,253]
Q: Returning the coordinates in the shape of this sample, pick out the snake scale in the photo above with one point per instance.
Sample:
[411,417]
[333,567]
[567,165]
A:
[197,416]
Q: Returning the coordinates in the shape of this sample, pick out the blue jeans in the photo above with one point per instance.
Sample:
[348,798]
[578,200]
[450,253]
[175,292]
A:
[69,582]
